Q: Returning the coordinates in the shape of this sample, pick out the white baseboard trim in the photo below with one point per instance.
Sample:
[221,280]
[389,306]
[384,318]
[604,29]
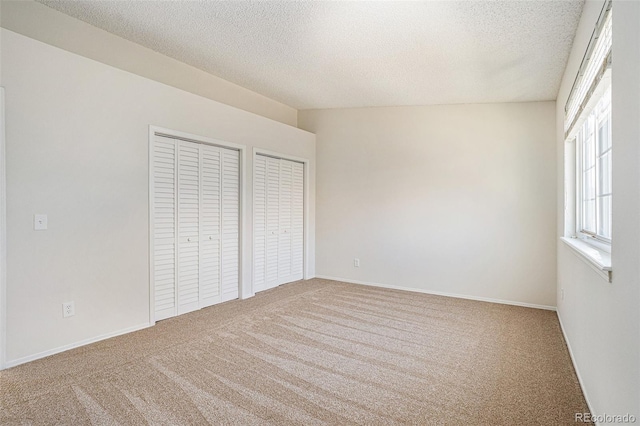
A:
[575,367]
[85,342]
[440,293]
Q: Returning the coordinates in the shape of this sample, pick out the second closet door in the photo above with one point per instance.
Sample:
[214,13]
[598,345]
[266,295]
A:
[278,222]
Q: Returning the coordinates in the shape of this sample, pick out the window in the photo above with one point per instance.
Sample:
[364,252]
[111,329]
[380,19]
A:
[588,125]
[593,147]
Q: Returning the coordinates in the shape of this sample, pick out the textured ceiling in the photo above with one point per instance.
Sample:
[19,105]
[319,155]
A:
[331,54]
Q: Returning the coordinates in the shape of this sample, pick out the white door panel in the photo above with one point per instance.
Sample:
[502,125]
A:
[230,224]
[164,232]
[284,242]
[297,222]
[259,223]
[188,226]
[210,202]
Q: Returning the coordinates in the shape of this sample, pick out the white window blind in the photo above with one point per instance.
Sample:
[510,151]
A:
[596,62]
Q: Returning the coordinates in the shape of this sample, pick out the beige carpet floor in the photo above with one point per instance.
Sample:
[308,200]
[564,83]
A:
[314,352]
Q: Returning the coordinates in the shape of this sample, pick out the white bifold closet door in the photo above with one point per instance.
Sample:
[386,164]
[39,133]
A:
[278,222]
[196,225]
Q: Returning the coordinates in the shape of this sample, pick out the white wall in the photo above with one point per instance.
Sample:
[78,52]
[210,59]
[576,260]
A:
[42,23]
[458,199]
[600,319]
[77,150]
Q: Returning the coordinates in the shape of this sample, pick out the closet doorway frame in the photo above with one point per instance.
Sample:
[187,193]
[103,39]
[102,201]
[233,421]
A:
[190,137]
[305,208]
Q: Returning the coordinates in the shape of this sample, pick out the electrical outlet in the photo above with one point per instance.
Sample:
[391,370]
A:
[562,294]
[68,309]
[356,263]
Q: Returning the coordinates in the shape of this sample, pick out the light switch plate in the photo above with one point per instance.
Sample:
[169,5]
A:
[40,222]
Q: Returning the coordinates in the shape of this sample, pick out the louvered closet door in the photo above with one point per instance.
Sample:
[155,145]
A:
[188,226]
[230,223]
[278,222]
[210,204]
[195,225]
[164,227]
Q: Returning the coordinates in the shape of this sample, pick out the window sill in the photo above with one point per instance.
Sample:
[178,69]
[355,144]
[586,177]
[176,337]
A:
[599,260]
